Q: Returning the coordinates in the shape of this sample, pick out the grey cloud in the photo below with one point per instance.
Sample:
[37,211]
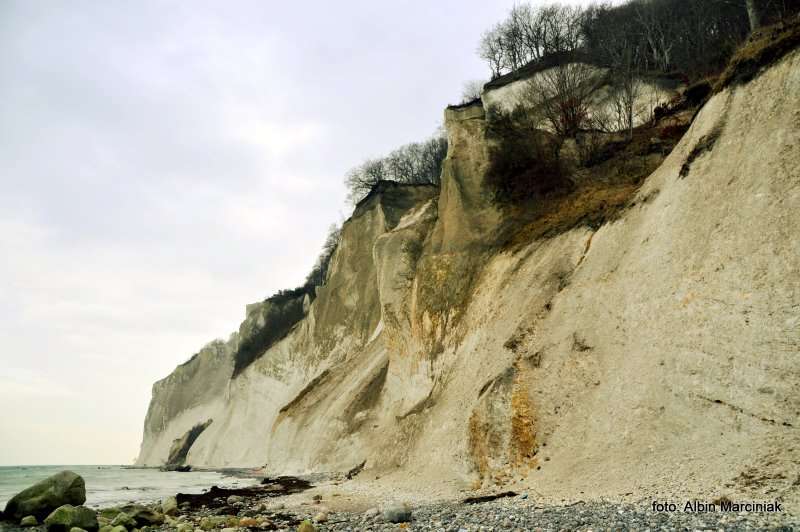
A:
[164,163]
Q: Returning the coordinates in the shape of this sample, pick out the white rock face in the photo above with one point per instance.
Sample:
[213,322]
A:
[196,388]
[648,93]
[659,350]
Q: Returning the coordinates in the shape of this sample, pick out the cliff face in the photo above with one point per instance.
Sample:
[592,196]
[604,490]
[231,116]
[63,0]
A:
[657,349]
[509,92]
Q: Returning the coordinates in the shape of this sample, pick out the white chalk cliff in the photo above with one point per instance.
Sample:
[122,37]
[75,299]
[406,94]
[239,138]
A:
[661,348]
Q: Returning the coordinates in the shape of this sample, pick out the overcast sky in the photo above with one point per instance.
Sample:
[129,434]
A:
[162,164]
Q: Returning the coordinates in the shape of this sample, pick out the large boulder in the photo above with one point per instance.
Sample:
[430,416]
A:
[397,513]
[109,528]
[43,497]
[169,506]
[29,520]
[66,517]
[143,515]
[123,519]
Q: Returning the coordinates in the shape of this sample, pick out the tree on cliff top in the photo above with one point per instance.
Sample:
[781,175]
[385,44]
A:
[693,37]
[319,273]
[471,90]
[529,34]
[418,163]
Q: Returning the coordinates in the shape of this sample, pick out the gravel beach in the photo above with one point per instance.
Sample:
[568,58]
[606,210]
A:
[316,504]
[515,513]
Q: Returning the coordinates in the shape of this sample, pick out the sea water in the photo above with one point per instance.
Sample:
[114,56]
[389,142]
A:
[109,485]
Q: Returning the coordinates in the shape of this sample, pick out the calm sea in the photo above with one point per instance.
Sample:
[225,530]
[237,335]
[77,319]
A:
[108,485]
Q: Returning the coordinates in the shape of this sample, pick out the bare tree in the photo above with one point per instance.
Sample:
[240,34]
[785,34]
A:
[625,74]
[562,95]
[432,156]
[319,273]
[694,37]
[532,31]
[653,21]
[561,28]
[472,90]
[754,14]
[779,9]
[626,81]
[415,163]
[529,34]
[491,50]
[361,179]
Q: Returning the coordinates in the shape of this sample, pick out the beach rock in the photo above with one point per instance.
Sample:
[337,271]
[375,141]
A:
[143,515]
[29,520]
[229,529]
[43,497]
[66,517]
[185,527]
[397,513]
[306,526]
[233,499]
[248,522]
[169,506]
[123,519]
[321,517]
[372,513]
[107,514]
[212,522]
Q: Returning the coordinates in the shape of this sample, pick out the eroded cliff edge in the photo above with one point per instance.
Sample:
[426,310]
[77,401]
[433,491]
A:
[660,348]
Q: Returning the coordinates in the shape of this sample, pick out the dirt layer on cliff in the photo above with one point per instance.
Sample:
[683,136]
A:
[766,46]
[606,185]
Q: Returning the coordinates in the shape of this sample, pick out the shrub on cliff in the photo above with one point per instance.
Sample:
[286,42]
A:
[319,273]
[282,310]
[523,161]
[561,97]
[280,313]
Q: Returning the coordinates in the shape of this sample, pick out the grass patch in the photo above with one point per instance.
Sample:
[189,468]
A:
[605,187]
[673,132]
[592,205]
[766,46]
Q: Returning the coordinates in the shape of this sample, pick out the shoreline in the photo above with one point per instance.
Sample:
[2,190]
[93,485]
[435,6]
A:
[339,505]
[329,502]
